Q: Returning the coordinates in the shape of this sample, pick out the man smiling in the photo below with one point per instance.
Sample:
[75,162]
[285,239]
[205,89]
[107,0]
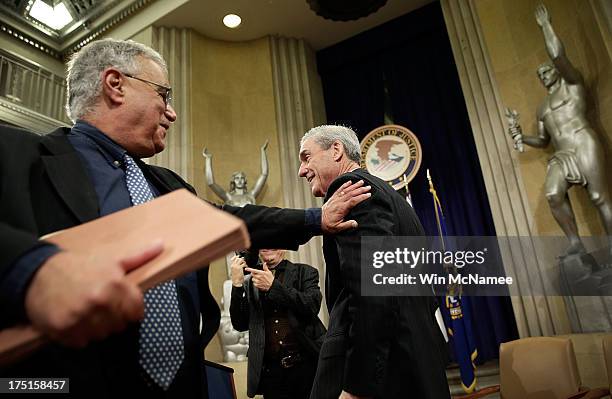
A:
[120,100]
[375,347]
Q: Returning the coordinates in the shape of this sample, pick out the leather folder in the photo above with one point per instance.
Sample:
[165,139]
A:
[193,232]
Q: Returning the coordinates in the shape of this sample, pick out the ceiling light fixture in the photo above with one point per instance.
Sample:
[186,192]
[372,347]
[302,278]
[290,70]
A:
[56,16]
[232,20]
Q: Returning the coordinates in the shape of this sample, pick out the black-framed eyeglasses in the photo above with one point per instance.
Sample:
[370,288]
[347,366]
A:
[164,92]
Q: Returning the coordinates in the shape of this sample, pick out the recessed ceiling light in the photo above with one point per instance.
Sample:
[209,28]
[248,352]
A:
[55,17]
[232,20]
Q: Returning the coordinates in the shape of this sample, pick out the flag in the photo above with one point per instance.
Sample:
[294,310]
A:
[457,315]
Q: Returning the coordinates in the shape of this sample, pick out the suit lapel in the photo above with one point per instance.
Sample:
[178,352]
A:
[254,298]
[158,179]
[290,274]
[68,176]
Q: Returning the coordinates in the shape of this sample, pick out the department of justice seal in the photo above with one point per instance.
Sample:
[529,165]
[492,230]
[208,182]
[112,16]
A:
[391,152]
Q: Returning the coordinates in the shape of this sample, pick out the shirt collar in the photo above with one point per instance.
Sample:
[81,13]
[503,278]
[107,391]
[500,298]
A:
[111,151]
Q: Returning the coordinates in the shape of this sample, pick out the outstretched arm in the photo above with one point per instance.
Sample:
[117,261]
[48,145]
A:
[261,180]
[210,179]
[555,48]
[289,228]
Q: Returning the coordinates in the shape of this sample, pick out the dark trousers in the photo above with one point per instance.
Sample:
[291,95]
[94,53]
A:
[328,381]
[292,383]
[412,372]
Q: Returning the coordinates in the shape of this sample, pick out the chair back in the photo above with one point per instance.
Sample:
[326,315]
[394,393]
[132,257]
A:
[538,368]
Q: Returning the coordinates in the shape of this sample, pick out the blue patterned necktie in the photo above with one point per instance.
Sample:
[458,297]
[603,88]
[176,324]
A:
[161,335]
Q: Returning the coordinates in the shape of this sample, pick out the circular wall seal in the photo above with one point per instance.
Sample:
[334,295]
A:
[390,152]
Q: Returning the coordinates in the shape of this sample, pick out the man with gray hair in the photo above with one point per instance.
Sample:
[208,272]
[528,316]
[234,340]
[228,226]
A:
[375,347]
[119,99]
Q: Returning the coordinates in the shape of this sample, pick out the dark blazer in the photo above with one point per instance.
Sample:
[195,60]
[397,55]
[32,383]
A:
[381,347]
[300,293]
[44,187]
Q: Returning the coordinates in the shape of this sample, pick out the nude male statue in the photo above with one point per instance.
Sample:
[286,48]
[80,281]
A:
[579,155]
[238,194]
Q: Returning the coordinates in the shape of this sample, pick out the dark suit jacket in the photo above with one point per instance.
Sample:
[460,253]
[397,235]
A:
[383,347]
[301,295]
[44,187]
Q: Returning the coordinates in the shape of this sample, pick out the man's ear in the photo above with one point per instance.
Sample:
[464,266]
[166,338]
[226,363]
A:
[338,150]
[112,85]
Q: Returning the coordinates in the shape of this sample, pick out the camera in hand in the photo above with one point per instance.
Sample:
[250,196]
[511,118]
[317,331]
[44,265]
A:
[251,257]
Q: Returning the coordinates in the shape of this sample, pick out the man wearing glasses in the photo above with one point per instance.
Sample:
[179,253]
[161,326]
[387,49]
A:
[164,92]
[120,100]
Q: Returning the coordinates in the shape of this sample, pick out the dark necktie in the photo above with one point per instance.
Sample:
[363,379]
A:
[161,349]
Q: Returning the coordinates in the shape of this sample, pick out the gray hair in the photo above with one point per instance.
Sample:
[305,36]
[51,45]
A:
[84,74]
[326,135]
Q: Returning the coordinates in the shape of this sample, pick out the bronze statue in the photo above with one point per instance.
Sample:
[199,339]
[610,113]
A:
[238,194]
[234,344]
[579,156]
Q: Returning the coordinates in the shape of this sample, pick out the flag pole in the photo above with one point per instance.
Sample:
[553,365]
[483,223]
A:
[405,184]
[437,208]
[459,328]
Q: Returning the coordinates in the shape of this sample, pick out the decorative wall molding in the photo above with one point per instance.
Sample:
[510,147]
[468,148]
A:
[29,40]
[174,44]
[27,119]
[299,106]
[602,9]
[105,26]
[31,96]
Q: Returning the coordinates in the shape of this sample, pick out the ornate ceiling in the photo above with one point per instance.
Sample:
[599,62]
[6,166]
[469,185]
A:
[90,18]
[313,20]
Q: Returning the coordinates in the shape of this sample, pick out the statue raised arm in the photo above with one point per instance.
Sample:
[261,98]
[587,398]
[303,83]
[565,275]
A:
[561,120]
[210,179]
[238,194]
[261,180]
[554,47]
